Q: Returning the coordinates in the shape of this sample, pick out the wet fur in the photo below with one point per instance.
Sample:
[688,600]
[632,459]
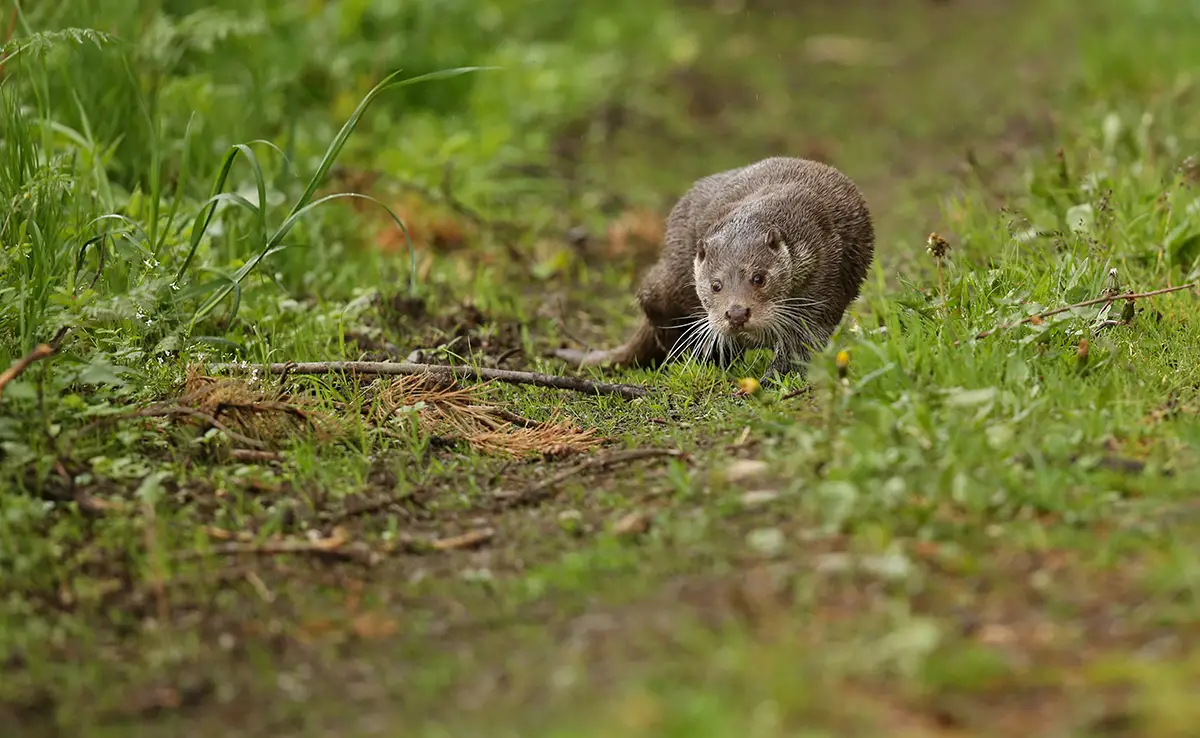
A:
[828,238]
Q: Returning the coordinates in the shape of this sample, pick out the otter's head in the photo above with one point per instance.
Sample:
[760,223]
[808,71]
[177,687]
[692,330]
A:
[744,273]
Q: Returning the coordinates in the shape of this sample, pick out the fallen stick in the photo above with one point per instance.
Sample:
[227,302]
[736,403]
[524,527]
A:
[541,490]
[470,539]
[1085,303]
[39,352]
[152,412]
[8,34]
[167,411]
[253,455]
[627,391]
[87,502]
[282,548]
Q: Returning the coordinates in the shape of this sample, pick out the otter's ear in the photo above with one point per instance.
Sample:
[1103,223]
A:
[701,249]
[773,239]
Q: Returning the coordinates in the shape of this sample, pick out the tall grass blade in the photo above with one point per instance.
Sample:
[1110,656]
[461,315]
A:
[331,154]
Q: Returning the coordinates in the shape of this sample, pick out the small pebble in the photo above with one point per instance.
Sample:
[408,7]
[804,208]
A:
[767,541]
[759,497]
[633,524]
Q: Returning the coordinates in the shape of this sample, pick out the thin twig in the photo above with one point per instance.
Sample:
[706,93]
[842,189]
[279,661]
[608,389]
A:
[263,406]
[171,410]
[508,355]
[517,420]
[86,502]
[39,352]
[445,194]
[1085,303]
[246,454]
[470,539]
[151,412]
[154,554]
[260,586]
[805,389]
[283,548]
[627,391]
[364,508]
[283,376]
[542,489]
[12,26]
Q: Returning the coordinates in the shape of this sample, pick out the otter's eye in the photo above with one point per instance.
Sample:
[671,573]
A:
[716,285]
[758,279]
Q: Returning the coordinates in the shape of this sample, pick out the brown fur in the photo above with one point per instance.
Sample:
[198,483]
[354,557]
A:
[801,226]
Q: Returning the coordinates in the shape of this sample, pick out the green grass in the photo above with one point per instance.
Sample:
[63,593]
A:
[962,536]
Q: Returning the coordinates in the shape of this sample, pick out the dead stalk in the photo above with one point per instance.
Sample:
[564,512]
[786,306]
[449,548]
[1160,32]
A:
[283,548]
[626,391]
[1131,296]
[39,352]
[542,489]
[173,410]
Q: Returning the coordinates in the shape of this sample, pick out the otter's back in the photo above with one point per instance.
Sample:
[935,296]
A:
[712,198]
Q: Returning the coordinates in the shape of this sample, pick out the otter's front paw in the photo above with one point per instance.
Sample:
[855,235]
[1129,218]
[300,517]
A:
[784,367]
[727,358]
[780,367]
[580,359]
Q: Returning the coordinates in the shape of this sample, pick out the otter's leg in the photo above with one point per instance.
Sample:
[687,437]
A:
[791,360]
[787,361]
[647,346]
[728,357]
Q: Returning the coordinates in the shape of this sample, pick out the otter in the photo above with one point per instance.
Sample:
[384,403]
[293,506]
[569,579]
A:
[768,255]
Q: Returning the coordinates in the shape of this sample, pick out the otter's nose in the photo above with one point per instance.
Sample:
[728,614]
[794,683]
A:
[737,315]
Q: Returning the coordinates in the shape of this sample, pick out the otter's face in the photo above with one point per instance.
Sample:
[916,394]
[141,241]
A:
[742,275]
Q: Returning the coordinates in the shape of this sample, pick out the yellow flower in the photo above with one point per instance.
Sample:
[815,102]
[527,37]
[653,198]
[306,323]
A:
[749,385]
[843,363]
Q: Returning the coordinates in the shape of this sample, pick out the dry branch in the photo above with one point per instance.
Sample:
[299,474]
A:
[252,455]
[1107,298]
[326,547]
[39,352]
[470,539]
[200,415]
[8,34]
[87,502]
[254,411]
[173,410]
[626,391]
[542,489]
